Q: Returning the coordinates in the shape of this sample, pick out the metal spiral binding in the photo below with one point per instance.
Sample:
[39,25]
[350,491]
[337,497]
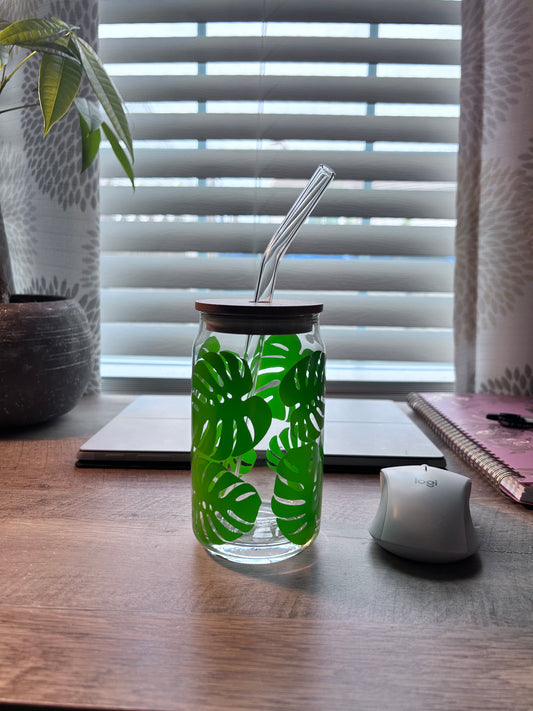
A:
[490,466]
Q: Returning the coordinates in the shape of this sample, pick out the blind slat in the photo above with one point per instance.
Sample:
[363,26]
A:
[408,11]
[362,309]
[378,240]
[420,345]
[348,165]
[438,204]
[280,49]
[288,88]
[277,127]
[240,272]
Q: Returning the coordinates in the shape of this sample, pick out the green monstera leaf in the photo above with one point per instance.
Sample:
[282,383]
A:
[278,447]
[297,496]
[242,464]
[279,353]
[228,421]
[224,506]
[210,345]
[302,390]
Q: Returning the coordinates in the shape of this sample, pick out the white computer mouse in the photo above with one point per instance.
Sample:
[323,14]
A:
[424,514]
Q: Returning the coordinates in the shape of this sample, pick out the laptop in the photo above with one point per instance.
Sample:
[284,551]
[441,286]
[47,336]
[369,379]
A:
[154,431]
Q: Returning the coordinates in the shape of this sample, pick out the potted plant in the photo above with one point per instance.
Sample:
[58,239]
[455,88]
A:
[44,340]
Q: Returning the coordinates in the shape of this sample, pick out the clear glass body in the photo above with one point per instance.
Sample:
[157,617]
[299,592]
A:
[257,436]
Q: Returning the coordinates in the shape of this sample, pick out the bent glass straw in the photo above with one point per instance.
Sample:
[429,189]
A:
[287,230]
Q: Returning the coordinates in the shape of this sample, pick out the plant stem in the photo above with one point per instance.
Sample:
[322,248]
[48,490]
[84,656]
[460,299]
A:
[16,108]
[19,65]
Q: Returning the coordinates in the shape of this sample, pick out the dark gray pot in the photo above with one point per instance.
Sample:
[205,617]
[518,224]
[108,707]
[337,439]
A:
[45,358]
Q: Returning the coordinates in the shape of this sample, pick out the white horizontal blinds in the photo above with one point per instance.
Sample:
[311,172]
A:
[232,107]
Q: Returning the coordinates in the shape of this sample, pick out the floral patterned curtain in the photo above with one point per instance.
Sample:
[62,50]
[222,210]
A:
[494,241]
[50,209]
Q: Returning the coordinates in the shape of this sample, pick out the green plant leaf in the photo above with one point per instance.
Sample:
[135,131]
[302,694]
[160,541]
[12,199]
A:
[4,50]
[302,390]
[51,47]
[227,420]
[297,496]
[60,44]
[90,122]
[224,506]
[24,32]
[105,91]
[59,82]
[4,55]
[119,152]
[89,111]
[90,143]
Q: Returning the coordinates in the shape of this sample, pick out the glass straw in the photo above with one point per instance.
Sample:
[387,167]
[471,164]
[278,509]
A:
[287,230]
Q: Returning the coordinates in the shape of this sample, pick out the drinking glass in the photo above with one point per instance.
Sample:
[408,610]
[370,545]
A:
[257,428]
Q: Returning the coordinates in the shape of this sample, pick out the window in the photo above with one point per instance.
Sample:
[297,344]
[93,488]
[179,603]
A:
[232,106]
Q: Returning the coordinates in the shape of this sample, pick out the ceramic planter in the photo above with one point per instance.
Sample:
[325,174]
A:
[45,358]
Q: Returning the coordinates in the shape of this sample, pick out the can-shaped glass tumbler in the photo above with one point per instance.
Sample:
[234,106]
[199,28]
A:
[257,455]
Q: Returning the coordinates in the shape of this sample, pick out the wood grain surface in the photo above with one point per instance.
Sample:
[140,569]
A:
[107,601]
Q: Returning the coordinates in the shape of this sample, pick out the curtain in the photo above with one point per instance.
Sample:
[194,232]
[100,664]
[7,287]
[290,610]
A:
[50,209]
[494,237]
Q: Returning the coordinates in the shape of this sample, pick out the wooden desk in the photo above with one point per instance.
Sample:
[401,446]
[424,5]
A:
[107,601]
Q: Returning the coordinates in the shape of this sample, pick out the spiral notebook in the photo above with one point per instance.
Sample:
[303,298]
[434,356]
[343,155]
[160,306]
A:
[503,455]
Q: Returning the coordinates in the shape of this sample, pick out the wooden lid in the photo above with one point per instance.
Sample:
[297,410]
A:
[260,309]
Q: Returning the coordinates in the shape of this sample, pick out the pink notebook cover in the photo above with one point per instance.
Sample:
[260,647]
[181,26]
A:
[504,455]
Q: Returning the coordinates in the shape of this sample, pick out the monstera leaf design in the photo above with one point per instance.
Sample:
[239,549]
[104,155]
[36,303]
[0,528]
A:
[228,421]
[210,345]
[224,506]
[279,354]
[302,390]
[296,500]
[242,464]
[278,447]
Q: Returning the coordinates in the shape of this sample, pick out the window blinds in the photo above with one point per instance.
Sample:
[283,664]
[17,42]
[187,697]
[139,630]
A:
[232,106]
